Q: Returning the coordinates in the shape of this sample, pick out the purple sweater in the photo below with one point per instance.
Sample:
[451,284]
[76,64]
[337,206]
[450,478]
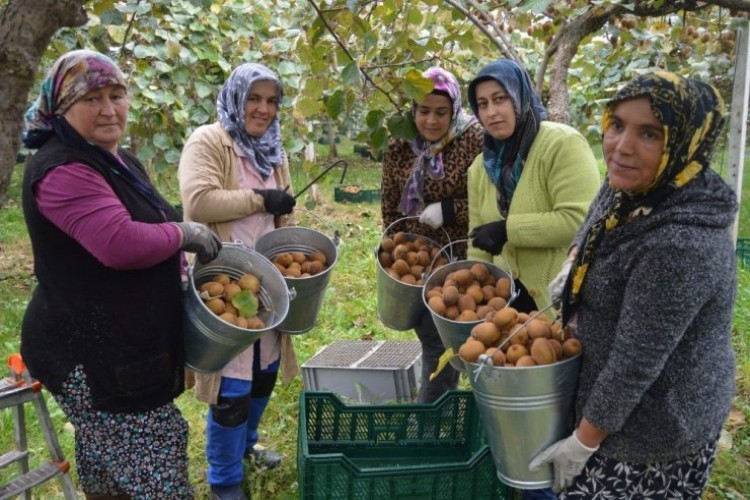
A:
[81,203]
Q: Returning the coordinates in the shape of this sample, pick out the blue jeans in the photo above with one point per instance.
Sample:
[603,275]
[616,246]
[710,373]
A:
[228,443]
[543,494]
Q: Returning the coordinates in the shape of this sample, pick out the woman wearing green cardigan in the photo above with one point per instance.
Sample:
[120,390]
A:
[530,189]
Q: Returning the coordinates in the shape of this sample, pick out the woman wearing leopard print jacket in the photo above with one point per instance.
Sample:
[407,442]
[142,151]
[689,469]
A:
[427,177]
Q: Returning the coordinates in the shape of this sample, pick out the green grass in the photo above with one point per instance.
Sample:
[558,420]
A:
[349,312]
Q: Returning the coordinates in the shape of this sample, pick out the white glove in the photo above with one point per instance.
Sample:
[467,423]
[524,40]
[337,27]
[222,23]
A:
[432,215]
[568,457]
[555,287]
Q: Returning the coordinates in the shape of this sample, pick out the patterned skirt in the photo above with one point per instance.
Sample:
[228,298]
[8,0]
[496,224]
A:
[604,478]
[142,455]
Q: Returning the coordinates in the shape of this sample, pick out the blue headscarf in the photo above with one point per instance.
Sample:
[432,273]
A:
[264,152]
[504,159]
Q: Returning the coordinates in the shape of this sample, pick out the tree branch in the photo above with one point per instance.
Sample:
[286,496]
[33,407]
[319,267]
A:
[349,55]
[129,29]
[479,25]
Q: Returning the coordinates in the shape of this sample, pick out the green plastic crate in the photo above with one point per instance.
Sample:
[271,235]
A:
[432,451]
[354,193]
[743,251]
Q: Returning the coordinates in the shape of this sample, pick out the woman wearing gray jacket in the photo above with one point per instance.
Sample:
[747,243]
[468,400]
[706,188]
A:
[652,286]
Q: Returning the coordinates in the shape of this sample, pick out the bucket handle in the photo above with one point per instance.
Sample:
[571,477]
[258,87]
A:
[324,172]
[513,292]
[336,233]
[486,359]
[447,236]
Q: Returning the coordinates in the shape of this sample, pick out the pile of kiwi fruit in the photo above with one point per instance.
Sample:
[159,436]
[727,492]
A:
[222,295]
[469,294]
[300,264]
[512,339]
[408,258]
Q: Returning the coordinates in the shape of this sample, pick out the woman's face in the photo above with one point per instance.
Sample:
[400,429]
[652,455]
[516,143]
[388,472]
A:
[261,107]
[433,117]
[633,145]
[495,109]
[100,116]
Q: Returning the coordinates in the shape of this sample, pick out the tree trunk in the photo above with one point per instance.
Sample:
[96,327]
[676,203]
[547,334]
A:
[333,151]
[568,40]
[25,31]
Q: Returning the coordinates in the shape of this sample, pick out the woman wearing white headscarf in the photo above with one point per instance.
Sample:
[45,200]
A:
[234,176]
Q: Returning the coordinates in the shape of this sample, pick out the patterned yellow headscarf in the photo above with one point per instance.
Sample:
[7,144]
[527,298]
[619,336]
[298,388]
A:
[692,115]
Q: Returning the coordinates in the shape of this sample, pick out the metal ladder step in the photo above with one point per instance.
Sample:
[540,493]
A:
[32,478]
[11,457]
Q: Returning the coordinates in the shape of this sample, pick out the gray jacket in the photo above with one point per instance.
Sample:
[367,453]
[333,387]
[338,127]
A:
[655,323]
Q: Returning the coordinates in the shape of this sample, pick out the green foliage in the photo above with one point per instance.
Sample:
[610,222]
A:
[246,303]
[358,64]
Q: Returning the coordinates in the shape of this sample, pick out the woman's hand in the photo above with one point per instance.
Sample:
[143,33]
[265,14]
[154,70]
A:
[198,238]
[568,457]
[432,215]
[490,237]
[276,201]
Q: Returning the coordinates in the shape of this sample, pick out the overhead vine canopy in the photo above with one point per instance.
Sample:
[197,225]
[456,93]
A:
[354,66]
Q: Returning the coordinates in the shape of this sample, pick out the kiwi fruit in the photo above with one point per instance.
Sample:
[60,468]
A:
[542,352]
[538,328]
[212,288]
[496,355]
[284,259]
[216,305]
[505,318]
[463,277]
[319,256]
[480,272]
[571,347]
[502,288]
[526,361]
[516,352]
[470,350]
[249,282]
[221,278]
[486,333]
[450,295]
[437,305]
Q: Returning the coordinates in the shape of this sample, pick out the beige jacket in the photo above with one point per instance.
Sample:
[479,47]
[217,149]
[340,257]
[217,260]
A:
[210,194]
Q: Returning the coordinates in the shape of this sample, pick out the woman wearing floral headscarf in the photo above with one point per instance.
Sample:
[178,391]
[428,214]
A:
[426,177]
[234,176]
[652,287]
[103,329]
[530,190]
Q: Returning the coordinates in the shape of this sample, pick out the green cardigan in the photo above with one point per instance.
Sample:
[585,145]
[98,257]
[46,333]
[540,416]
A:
[559,180]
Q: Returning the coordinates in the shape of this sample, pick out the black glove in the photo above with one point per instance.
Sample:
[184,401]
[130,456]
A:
[199,239]
[490,237]
[277,202]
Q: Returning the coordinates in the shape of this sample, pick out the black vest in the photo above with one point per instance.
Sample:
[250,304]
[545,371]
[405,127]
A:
[124,327]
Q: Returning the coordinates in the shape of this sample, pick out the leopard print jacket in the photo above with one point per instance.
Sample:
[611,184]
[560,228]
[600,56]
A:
[457,157]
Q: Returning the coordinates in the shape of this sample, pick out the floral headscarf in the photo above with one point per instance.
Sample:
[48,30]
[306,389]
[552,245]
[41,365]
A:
[692,115]
[504,159]
[429,158]
[72,76]
[264,152]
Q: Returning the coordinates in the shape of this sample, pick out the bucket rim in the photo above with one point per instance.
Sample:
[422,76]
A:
[273,252]
[558,364]
[470,263]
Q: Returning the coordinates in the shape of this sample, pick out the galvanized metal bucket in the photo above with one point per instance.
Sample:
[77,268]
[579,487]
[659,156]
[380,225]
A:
[524,410]
[210,342]
[400,305]
[308,292]
[454,333]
